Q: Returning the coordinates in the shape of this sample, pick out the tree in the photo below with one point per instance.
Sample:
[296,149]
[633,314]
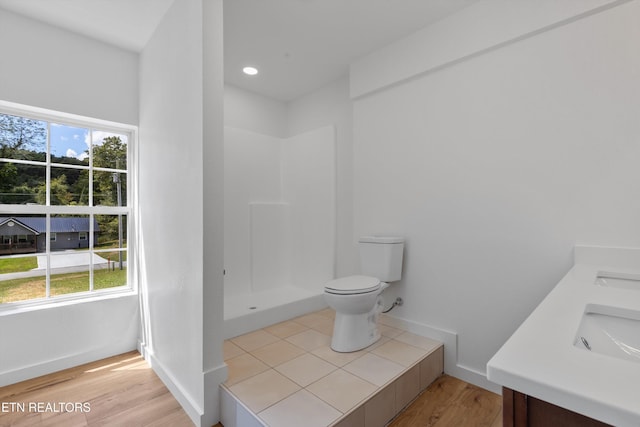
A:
[112,153]
[60,194]
[110,187]
[20,133]
[8,179]
[8,176]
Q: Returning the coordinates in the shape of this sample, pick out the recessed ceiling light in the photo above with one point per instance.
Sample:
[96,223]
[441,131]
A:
[250,71]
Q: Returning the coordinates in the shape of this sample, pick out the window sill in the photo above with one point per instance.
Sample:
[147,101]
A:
[8,309]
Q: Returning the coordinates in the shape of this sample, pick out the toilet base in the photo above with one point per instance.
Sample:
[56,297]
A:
[353,332]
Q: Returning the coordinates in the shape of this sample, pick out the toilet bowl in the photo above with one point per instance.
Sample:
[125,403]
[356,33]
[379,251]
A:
[356,299]
[357,302]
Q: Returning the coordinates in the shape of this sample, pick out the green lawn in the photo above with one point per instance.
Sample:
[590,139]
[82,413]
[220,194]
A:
[35,287]
[15,265]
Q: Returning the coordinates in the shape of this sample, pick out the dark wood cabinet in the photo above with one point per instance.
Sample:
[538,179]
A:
[521,410]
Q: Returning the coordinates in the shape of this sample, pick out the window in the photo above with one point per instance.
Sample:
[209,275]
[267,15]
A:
[64,202]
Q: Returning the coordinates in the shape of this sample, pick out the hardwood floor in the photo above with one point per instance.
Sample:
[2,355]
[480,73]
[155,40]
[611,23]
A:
[452,402]
[124,391]
[119,391]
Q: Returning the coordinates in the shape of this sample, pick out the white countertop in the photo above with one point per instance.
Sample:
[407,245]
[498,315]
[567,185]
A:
[540,358]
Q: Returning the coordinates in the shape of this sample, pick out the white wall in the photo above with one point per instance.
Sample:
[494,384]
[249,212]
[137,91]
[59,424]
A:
[495,165]
[270,246]
[45,340]
[215,370]
[179,302]
[47,67]
[472,31]
[331,106]
[252,175]
[309,185]
[279,210]
[254,112]
[327,106]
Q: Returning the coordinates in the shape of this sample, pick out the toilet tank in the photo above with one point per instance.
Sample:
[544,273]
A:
[381,257]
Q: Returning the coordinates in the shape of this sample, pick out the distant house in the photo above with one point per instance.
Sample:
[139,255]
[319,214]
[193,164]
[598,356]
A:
[23,234]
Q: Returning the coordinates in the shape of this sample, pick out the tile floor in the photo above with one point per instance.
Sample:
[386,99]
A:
[287,372]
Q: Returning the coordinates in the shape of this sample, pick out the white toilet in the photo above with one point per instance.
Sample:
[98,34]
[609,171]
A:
[357,300]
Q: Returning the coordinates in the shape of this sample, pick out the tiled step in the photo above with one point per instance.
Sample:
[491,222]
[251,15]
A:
[287,375]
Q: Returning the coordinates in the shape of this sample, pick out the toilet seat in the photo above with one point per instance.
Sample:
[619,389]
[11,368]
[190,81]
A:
[353,285]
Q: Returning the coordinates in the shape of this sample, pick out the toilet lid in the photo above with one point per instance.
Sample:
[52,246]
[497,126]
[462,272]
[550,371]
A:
[352,285]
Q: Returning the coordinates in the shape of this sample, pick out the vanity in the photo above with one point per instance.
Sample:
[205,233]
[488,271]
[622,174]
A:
[575,361]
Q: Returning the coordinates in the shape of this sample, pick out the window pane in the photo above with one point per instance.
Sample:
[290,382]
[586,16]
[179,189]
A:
[111,255]
[109,188]
[69,144]
[109,150]
[14,289]
[22,273]
[22,138]
[111,232]
[22,184]
[69,186]
[111,274]
[70,259]
[65,236]
[66,279]
[21,234]
[51,163]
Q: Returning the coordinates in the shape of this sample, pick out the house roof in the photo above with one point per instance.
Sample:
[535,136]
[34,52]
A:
[58,224]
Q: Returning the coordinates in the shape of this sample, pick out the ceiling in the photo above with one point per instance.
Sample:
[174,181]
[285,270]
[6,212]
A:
[128,24]
[298,45]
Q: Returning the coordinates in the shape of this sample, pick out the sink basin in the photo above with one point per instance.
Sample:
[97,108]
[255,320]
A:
[618,280]
[611,331]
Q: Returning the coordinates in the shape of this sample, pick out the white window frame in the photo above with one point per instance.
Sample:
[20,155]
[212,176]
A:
[83,236]
[129,211]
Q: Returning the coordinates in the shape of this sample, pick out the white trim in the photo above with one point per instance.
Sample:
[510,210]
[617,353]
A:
[61,210]
[9,308]
[65,165]
[38,113]
[212,398]
[37,370]
[130,132]
[193,410]
[450,341]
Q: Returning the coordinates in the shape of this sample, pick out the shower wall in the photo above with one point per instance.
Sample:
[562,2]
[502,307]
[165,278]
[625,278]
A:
[279,210]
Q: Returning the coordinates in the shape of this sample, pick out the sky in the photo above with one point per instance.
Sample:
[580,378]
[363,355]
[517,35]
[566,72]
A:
[73,142]
[69,141]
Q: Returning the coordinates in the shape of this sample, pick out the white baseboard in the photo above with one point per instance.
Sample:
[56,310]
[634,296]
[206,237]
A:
[477,378]
[71,361]
[212,380]
[193,410]
[450,341]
